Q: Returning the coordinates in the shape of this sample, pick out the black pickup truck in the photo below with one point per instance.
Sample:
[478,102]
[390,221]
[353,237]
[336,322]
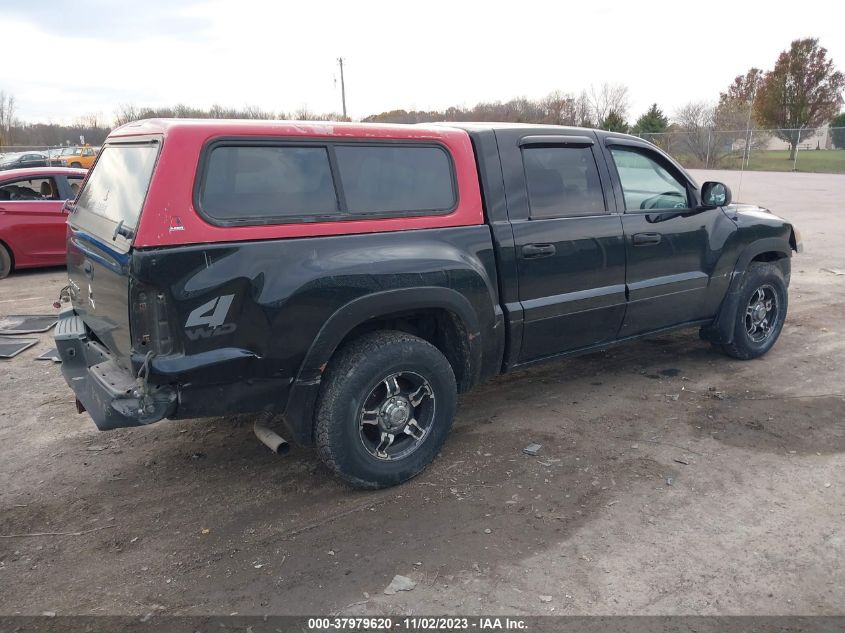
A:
[355,278]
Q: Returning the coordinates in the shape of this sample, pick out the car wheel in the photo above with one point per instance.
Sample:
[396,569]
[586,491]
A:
[760,313]
[385,408]
[76,165]
[5,262]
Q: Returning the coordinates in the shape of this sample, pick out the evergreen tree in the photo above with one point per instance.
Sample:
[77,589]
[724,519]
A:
[613,122]
[652,122]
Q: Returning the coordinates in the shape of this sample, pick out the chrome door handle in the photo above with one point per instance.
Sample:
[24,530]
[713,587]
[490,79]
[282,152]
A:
[646,239]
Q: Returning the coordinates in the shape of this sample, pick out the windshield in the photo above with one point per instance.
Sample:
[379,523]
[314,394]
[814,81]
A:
[116,188]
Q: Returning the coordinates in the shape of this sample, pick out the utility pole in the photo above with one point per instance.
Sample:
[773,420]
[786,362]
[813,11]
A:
[342,86]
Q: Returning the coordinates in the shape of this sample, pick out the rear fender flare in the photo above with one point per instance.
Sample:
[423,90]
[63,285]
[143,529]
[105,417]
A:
[379,304]
[304,390]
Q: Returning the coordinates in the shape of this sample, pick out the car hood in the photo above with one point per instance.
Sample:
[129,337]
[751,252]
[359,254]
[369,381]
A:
[743,207]
[752,214]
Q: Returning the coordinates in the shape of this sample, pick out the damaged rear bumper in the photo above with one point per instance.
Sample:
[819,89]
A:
[111,395]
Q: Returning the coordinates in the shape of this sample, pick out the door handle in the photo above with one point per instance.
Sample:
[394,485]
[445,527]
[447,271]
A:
[646,239]
[533,251]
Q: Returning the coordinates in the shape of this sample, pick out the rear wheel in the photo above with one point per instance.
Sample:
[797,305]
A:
[5,262]
[76,165]
[760,312]
[385,409]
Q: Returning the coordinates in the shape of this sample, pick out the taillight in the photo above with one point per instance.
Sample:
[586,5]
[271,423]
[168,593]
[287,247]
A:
[149,321]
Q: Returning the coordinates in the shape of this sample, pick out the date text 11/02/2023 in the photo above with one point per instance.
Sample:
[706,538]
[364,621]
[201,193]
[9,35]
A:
[419,623]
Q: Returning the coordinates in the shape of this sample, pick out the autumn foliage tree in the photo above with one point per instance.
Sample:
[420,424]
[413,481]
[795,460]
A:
[803,90]
[744,88]
[735,107]
[735,111]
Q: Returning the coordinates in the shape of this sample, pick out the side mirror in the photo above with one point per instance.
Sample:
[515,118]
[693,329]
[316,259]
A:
[715,194]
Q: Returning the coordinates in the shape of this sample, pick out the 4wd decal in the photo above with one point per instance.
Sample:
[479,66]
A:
[209,319]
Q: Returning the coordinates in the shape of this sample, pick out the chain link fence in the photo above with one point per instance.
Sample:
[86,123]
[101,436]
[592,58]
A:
[820,150]
[35,149]
[11,151]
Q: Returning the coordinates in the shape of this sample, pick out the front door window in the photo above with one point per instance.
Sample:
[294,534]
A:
[646,184]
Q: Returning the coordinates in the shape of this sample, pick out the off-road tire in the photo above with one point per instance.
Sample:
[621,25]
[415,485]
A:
[758,275]
[5,262]
[347,382]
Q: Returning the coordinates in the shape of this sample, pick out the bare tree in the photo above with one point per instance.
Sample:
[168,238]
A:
[255,112]
[609,98]
[90,120]
[126,113]
[695,122]
[7,117]
[584,111]
[559,109]
[707,133]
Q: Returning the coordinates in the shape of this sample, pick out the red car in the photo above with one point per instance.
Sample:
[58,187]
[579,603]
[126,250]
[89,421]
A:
[32,224]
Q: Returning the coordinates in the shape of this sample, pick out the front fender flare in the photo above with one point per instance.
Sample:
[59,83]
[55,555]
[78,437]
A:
[722,331]
[758,247]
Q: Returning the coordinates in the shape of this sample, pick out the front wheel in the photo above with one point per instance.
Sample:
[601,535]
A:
[760,312]
[385,408]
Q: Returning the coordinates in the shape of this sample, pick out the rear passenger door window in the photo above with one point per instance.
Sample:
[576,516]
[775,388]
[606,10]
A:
[562,181]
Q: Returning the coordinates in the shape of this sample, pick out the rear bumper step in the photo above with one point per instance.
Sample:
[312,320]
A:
[112,396]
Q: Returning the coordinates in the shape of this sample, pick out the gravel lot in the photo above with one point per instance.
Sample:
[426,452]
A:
[671,480]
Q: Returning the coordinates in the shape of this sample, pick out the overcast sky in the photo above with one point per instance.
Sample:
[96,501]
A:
[63,59]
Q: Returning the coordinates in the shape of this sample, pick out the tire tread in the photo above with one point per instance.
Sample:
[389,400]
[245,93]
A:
[737,347]
[340,367]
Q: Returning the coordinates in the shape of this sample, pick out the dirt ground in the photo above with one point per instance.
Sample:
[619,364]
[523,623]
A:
[671,480]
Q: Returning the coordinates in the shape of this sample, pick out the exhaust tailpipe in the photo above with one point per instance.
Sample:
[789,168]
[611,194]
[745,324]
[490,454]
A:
[271,439]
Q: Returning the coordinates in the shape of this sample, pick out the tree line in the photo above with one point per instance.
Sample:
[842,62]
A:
[802,91]
[95,130]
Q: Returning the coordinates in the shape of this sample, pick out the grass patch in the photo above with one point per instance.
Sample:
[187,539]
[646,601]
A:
[826,161]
